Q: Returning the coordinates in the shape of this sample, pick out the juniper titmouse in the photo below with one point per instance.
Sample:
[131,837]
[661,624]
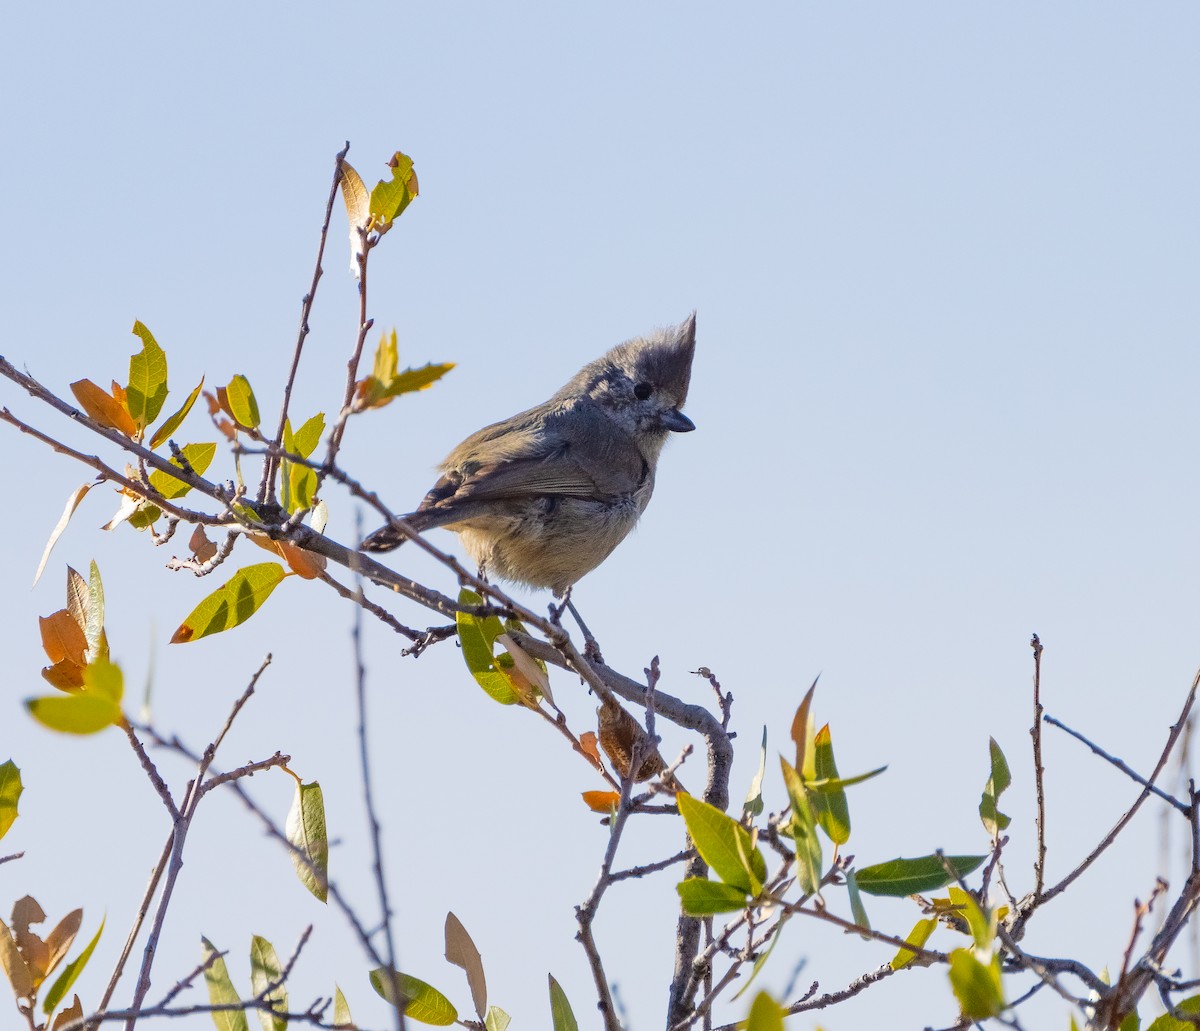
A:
[542,498]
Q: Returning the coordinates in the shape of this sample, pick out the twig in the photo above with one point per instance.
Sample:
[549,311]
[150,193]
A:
[151,770]
[305,311]
[385,910]
[1123,767]
[1111,836]
[1039,866]
[187,809]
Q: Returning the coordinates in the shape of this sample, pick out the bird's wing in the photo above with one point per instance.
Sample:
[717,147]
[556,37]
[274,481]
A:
[581,453]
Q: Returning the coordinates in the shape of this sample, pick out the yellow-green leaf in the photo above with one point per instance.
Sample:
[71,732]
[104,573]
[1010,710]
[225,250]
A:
[421,1001]
[242,404]
[390,197]
[830,807]
[175,421]
[976,984]
[10,794]
[803,829]
[995,821]
[478,640]
[724,844]
[305,829]
[561,1016]
[266,972]
[982,925]
[857,909]
[918,936]
[765,1014]
[147,388]
[702,897]
[341,1011]
[95,706]
[197,456]
[221,991]
[496,1019]
[232,603]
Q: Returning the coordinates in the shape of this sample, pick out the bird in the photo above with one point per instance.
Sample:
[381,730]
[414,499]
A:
[543,497]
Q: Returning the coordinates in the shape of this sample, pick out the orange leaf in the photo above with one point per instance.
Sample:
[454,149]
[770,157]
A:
[103,407]
[62,637]
[601,801]
[303,563]
[587,745]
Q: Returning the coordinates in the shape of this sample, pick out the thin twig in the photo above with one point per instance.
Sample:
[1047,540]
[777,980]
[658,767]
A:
[385,910]
[1120,765]
[1039,772]
[305,311]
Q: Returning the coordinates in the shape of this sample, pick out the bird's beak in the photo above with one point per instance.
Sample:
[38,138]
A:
[675,421]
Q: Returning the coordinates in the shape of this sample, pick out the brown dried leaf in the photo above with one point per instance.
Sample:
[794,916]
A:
[202,548]
[59,940]
[66,675]
[77,495]
[33,950]
[63,638]
[461,951]
[14,965]
[68,1016]
[588,746]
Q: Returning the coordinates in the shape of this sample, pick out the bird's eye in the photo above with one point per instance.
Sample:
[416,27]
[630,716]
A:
[642,391]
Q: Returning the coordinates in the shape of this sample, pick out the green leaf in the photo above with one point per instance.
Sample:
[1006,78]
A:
[390,197]
[918,936]
[995,821]
[341,1009]
[724,844]
[825,785]
[829,806]
[901,877]
[976,984]
[1188,1007]
[765,1014]
[856,903]
[64,981]
[147,388]
[198,456]
[221,991]
[421,1001]
[478,640]
[10,794]
[92,708]
[561,1017]
[702,897]
[496,1019]
[803,829]
[232,603]
[305,829]
[753,806]
[266,970]
[164,432]
[242,404]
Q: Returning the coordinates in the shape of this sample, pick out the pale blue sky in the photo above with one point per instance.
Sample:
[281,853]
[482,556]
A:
[944,259]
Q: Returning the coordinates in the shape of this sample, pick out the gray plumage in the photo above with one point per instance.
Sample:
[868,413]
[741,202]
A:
[543,497]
